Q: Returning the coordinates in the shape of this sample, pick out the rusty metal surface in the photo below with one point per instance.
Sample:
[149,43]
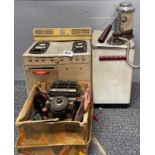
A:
[55,139]
[59,150]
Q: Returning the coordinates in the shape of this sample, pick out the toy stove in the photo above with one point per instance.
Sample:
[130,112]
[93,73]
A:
[112,76]
[58,54]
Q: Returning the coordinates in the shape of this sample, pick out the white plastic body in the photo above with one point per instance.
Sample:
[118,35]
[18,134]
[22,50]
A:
[112,79]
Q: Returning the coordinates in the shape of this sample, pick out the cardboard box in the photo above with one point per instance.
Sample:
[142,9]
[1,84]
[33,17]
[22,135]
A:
[53,138]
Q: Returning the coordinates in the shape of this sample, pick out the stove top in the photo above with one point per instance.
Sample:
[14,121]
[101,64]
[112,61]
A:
[56,48]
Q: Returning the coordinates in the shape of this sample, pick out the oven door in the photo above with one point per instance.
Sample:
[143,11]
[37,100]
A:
[35,74]
[75,72]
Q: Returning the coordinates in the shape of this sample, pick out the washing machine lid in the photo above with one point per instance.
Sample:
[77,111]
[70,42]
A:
[95,44]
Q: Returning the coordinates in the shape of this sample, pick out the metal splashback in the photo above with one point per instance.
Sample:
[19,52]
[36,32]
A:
[61,34]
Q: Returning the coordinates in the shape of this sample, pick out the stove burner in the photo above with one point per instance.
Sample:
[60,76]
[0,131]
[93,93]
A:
[40,48]
[79,47]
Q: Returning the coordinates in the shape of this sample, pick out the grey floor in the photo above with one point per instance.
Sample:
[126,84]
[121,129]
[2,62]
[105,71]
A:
[118,129]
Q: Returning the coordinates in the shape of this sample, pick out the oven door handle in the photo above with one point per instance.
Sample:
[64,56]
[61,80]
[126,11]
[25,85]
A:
[40,72]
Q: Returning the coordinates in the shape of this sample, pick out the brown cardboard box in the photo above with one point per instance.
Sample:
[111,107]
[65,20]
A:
[53,138]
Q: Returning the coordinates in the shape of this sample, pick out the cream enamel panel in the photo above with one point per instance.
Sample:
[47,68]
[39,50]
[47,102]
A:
[75,72]
[111,79]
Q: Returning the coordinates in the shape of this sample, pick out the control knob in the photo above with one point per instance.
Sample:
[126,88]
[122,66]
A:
[30,59]
[42,59]
[56,60]
[76,58]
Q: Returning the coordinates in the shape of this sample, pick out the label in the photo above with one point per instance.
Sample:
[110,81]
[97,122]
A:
[126,22]
[68,53]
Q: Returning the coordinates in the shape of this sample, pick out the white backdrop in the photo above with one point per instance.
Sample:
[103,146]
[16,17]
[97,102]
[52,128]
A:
[96,14]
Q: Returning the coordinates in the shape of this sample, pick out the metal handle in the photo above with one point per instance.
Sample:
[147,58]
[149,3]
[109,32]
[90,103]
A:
[40,72]
[105,33]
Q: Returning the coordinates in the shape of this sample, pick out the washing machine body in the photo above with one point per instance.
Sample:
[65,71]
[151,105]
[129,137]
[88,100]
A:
[112,76]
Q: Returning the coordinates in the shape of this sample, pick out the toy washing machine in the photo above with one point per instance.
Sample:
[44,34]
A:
[112,75]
